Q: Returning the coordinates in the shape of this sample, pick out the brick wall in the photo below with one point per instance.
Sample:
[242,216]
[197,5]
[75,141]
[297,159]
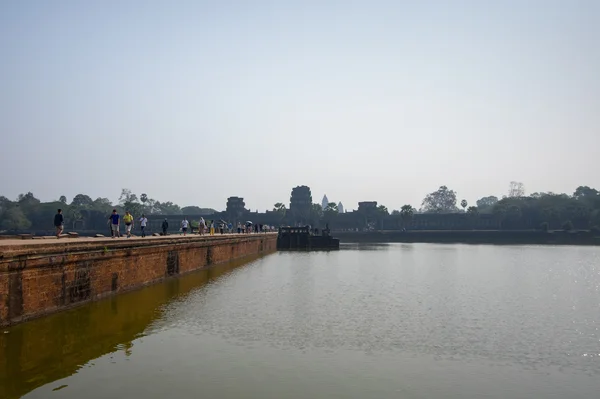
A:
[39,279]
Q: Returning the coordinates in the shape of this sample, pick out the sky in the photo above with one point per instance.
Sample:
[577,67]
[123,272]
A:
[197,101]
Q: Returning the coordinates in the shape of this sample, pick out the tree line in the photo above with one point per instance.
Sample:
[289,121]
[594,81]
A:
[515,210]
[28,212]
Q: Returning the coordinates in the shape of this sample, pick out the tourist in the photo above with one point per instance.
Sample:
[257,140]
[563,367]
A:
[184,225]
[229,228]
[221,227]
[239,227]
[201,225]
[165,226]
[211,226]
[143,223]
[59,223]
[128,219]
[114,220]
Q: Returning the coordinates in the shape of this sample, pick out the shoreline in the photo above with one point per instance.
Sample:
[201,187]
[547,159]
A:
[471,237]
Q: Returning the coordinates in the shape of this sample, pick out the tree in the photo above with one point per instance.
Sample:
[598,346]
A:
[127,196]
[14,219]
[406,215]
[28,202]
[473,215]
[516,189]
[280,209]
[330,212]
[102,204]
[63,199]
[129,202]
[464,204]
[316,213]
[167,208]
[441,201]
[191,210]
[82,200]
[584,192]
[144,198]
[28,198]
[381,213]
[5,203]
[486,203]
[73,215]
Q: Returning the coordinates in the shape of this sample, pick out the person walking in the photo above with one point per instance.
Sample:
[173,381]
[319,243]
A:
[201,225]
[128,219]
[184,225]
[143,223]
[59,223]
[165,227]
[114,221]
[212,227]
[239,227]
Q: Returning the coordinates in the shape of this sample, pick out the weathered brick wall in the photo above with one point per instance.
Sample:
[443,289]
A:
[35,280]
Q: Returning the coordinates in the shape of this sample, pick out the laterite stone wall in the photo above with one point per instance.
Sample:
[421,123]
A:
[39,279]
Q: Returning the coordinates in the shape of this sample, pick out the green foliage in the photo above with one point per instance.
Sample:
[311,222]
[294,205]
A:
[82,200]
[441,201]
[406,214]
[316,213]
[486,203]
[279,207]
[381,210]
[62,199]
[196,210]
[166,208]
[14,219]
[464,204]
[330,212]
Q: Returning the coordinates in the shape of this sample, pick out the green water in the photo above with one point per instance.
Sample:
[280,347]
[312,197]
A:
[369,321]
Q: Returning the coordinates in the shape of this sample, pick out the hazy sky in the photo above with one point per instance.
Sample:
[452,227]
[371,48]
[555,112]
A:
[196,101]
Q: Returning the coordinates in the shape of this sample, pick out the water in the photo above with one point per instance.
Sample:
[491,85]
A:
[370,321]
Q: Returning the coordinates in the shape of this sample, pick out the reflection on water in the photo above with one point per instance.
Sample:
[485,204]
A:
[47,349]
[390,321]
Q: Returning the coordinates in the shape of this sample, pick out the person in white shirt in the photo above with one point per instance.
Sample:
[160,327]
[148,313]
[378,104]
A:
[143,222]
[201,226]
[184,226]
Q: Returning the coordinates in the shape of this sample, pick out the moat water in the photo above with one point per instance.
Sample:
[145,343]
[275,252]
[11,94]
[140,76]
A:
[400,321]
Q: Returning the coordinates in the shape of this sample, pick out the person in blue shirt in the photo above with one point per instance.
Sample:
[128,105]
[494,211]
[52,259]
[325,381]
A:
[114,220]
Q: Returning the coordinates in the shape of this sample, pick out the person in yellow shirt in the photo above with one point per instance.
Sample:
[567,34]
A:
[128,219]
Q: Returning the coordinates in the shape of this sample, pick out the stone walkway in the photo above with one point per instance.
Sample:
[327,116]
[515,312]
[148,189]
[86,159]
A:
[4,243]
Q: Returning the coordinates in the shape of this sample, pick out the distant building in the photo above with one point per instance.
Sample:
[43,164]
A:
[340,207]
[367,206]
[324,202]
[300,203]
[236,207]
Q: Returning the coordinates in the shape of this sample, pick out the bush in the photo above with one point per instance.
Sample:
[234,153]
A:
[544,226]
[567,226]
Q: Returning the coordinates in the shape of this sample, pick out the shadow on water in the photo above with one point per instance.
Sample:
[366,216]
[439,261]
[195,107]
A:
[54,347]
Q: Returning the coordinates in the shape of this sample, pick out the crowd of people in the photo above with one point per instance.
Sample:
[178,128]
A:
[210,227]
